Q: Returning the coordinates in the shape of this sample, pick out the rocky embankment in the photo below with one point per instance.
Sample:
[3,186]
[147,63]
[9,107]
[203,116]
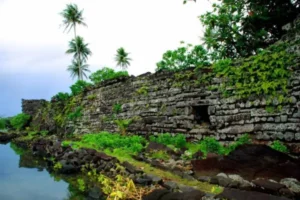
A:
[249,172]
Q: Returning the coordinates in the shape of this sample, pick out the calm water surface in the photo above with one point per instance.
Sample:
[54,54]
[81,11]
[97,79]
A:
[22,177]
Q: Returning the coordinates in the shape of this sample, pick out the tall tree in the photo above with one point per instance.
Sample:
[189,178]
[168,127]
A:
[72,17]
[240,28]
[122,58]
[81,52]
[78,70]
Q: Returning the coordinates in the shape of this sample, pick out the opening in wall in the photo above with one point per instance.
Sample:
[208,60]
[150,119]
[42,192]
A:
[201,114]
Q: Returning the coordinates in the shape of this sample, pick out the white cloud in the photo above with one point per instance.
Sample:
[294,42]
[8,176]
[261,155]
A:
[31,37]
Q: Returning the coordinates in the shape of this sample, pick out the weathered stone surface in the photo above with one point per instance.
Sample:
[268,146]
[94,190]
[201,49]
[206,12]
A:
[248,128]
[291,183]
[244,161]
[163,102]
[247,195]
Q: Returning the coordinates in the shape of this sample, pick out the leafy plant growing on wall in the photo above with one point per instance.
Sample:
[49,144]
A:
[79,86]
[117,108]
[106,74]
[279,146]
[76,114]
[123,125]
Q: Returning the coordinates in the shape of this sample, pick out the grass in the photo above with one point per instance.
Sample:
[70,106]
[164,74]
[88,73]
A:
[166,175]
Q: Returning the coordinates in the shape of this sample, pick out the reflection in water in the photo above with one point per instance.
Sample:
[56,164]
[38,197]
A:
[24,177]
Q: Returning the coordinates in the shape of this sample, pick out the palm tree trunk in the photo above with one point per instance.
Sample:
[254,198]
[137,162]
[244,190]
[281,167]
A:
[78,56]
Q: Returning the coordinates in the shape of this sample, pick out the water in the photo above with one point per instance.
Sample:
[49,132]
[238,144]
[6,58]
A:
[23,177]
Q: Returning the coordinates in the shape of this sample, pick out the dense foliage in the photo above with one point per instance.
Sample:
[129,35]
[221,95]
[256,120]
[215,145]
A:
[79,86]
[106,74]
[61,96]
[105,140]
[76,114]
[183,58]
[263,74]
[178,141]
[20,121]
[240,28]
[211,145]
[2,123]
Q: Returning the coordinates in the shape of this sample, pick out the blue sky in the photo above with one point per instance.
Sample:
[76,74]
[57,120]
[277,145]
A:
[32,44]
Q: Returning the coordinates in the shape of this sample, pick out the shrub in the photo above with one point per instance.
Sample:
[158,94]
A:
[105,140]
[60,97]
[76,114]
[20,121]
[106,74]
[279,146]
[210,145]
[178,141]
[245,139]
[117,108]
[183,58]
[79,86]
[123,125]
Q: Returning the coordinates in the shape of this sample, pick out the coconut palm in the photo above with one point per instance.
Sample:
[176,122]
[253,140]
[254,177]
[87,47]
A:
[81,52]
[72,16]
[78,69]
[79,49]
[122,58]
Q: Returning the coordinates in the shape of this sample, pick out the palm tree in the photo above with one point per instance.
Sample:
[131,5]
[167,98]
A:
[122,58]
[81,52]
[72,16]
[79,49]
[78,69]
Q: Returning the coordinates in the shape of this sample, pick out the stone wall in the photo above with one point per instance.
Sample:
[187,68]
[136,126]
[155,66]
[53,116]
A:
[176,103]
[31,107]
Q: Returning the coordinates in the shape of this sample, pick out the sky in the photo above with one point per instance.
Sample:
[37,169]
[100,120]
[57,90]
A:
[33,62]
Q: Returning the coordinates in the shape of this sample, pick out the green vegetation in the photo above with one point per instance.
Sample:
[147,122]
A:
[263,74]
[20,121]
[78,69]
[57,166]
[106,74]
[117,108]
[183,58]
[122,58]
[76,114]
[19,151]
[143,90]
[91,97]
[162,155]
[241,28]
[123,125]
[60,97]
[81,185]
[178,141]
[279,146]
[109,141]
[79,86]
[72,17]
[2,124]
[44,133]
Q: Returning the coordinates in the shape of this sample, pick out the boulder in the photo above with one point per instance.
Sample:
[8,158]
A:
[250,161]
[236,194]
